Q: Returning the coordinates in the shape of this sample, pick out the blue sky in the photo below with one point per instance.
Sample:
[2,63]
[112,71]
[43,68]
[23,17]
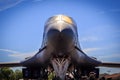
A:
[22,25]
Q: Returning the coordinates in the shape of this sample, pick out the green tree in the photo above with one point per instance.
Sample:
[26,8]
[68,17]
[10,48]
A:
[6,74]
[18,74]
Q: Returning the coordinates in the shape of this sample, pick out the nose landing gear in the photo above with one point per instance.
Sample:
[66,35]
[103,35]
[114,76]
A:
[60,66]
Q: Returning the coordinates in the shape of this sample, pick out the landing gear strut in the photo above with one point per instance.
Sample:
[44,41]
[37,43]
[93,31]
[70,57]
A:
[61,71]
[60,67]
[34,73]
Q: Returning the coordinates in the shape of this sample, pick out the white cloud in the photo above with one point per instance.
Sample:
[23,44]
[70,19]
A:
[114,10]
[5,4]
[102,12]
[7,50]
[19,55]
[90,39]
[109,11]
[88,50]
[111,56]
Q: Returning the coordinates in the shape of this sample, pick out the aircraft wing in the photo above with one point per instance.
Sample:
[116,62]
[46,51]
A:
[103,64]
[10,64]
[108,64]
[31,61]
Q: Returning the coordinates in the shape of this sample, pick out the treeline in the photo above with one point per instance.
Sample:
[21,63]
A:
[8,74]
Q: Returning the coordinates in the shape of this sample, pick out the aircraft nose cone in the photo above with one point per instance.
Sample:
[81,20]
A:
[61,40]
[60,35]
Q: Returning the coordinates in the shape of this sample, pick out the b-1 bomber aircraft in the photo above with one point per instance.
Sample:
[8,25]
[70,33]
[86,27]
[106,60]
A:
[60,51]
